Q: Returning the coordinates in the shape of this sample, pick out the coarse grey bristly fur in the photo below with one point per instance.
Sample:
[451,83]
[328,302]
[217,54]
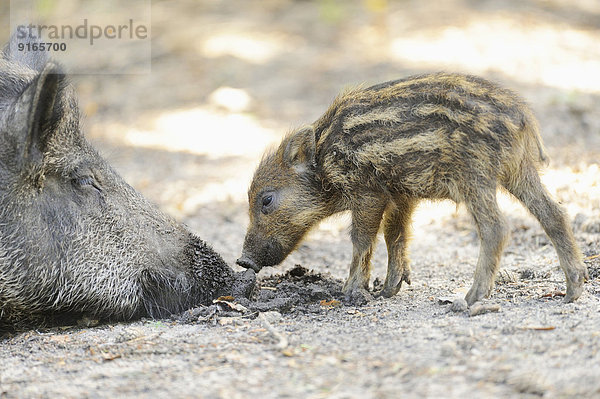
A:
[74,237]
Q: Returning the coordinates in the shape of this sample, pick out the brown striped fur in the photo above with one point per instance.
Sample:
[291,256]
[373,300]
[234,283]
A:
[378,150]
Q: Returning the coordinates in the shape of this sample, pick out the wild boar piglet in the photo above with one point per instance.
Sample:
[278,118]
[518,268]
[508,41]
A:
[377,151]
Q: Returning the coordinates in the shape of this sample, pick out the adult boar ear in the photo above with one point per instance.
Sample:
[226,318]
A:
[36,112]
[35,60]
[300,150]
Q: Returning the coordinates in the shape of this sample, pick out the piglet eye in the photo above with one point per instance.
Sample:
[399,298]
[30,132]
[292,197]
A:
[267,200]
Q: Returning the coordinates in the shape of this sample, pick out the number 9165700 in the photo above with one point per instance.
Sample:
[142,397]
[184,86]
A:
[44,46]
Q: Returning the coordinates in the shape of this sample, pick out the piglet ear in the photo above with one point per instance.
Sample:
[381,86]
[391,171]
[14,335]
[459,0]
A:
[39,107]
[299,152]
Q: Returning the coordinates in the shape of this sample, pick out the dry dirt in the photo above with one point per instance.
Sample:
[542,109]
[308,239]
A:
[228,79]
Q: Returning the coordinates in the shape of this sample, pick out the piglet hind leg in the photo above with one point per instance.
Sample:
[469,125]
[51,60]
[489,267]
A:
[493,233]
[366,219]
[530,191]
[396,230]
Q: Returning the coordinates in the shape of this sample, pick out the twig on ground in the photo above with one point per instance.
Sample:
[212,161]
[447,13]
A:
[283,342]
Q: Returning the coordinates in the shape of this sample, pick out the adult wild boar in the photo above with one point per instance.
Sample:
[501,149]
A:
[74,237]
[377,151]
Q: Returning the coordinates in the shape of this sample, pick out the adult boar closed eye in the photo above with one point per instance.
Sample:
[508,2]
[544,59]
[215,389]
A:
[74,237]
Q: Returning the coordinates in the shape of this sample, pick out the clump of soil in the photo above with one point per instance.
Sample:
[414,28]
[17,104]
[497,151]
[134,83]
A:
[297,291]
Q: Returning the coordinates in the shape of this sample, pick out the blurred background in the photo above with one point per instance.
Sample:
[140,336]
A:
[230,77]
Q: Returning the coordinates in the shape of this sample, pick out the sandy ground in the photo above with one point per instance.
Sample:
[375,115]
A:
[228,79]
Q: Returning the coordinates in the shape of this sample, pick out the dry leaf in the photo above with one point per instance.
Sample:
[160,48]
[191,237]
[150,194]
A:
[553,294]
[332,303]
[231,305]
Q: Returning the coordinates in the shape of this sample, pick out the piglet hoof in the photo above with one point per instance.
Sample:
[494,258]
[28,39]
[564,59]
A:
[358,297]
[573,292]
[388,292]
[477,293]
[575,278]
